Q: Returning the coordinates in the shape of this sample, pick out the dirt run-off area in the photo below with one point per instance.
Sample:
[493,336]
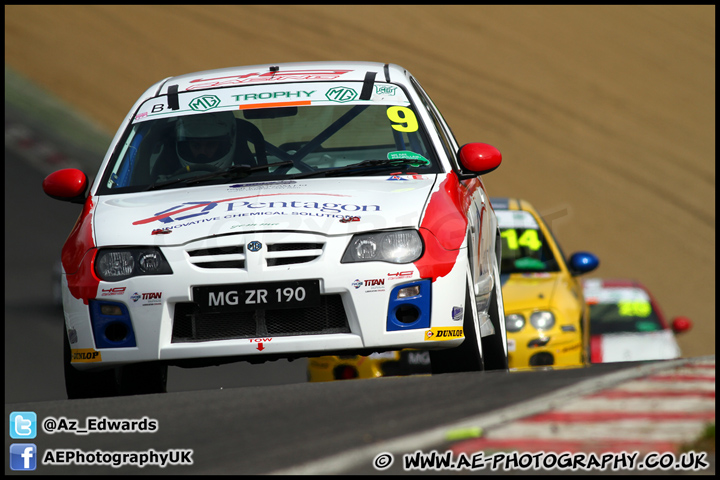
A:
[605,115]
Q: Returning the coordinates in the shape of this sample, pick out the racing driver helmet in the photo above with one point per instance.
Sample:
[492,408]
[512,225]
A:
[206,139]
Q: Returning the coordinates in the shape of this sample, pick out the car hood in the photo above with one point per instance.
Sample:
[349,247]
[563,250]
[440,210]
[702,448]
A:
[630,347]
[528,290]
[325,206]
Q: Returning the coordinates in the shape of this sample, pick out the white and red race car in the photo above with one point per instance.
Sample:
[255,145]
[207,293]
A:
[627,324]
[279,211]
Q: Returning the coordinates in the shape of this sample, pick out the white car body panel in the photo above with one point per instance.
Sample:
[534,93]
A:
[630,347]
[310,205]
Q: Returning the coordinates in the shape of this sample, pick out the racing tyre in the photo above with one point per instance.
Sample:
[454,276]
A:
[467,357]
[494,355]
[86,384]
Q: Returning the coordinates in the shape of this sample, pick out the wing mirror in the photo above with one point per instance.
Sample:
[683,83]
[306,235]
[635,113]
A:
[478,159]
[681,324]
[68,185]
[583,262]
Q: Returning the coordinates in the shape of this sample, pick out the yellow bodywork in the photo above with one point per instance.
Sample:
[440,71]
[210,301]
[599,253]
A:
[405,362]
[558,292]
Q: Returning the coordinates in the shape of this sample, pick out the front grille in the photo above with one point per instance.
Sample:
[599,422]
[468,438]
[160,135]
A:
[219,257]
[292,253]
[190,325]
[232,249]
[284,247]
[276,254]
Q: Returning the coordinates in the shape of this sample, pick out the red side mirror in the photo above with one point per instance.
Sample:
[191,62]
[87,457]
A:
[479,158]
[68,184]
[681,324]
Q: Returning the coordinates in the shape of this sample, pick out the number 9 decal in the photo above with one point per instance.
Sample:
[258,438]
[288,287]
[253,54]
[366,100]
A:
[404,117]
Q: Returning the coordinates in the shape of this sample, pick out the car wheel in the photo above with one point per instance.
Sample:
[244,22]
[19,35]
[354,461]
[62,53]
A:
[467,357]
[493,346]
[86,384]
[142,378]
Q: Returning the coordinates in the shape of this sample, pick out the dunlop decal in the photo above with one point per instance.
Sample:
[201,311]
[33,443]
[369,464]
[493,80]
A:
[85,355]
[444,333]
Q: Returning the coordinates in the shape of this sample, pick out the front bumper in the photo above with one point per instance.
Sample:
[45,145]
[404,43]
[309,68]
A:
[533,350]
[356,314]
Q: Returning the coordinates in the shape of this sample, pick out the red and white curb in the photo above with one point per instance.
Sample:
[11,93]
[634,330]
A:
[44,155]
[654,407]
[658,412]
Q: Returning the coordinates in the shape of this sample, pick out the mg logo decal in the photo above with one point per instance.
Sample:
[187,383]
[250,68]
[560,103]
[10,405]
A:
[205,102]
[341,94]
[254,246]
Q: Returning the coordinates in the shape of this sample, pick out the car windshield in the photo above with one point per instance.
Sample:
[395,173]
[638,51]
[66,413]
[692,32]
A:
[328,132]
[621,310]
[524,247]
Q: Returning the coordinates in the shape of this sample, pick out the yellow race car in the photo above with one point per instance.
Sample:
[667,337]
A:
[546,317]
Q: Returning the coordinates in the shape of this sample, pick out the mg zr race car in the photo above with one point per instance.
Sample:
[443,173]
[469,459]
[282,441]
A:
[546,317]
[627,324]
[279,211]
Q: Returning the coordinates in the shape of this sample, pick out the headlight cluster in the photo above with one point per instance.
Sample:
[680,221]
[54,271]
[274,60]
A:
[542,320]
[115,264]
[514,322]
[400,246]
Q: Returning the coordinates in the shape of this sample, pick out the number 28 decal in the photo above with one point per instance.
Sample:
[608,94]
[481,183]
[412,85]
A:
[403,118]
[634,309]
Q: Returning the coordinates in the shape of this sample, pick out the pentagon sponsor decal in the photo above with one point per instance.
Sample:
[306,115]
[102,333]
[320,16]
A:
[193,213]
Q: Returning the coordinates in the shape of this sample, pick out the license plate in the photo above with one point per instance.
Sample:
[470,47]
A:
[266,296]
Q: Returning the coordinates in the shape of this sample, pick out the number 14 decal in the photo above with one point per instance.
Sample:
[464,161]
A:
[529,238]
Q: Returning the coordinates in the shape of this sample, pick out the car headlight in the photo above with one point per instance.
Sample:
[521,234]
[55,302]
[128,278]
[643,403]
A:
[542,320]
[115,264]
[400,246]
[514,322]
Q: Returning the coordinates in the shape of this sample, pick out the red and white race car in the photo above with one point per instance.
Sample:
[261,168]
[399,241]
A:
[626,323]
[279,211]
